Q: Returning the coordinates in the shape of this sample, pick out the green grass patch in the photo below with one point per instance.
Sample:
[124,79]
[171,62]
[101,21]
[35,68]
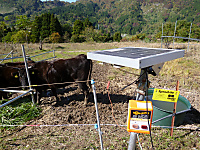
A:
[18,112]
[77,53]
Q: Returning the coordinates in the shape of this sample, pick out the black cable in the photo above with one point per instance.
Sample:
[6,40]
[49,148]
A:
[147,107]
[133,81]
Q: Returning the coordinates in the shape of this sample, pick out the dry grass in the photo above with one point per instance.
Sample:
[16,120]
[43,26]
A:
[185,69]
[66,50]
[74,46]
[6,48]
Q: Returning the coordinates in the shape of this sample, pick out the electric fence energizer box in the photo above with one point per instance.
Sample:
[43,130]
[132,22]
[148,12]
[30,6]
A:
[139,116]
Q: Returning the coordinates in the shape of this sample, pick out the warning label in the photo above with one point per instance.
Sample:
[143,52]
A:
[140,115]
[165,95]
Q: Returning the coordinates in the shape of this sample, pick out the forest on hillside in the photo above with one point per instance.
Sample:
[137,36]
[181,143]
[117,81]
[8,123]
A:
[142,19]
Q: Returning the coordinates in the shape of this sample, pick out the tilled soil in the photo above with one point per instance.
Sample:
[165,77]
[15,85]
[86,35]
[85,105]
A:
[70,123]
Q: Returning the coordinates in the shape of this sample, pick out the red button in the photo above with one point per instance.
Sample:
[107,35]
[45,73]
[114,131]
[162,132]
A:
[144,127]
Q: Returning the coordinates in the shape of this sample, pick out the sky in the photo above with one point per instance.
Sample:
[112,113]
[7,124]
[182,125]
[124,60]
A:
[64,0]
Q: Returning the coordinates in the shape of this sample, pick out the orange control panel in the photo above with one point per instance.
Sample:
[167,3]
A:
[140,115]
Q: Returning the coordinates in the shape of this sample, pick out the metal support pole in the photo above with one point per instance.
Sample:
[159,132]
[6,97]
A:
[53,53]
[14,99]
[174,34]
[12,56]
[6,56]
[14,91]
[97,113]
[162,35]
[132,141]
[189,37]
[141,86]
[27,72]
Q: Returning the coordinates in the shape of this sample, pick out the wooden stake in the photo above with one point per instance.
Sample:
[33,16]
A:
[174,111]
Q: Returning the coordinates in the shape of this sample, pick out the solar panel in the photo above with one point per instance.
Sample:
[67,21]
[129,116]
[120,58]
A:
[136,57]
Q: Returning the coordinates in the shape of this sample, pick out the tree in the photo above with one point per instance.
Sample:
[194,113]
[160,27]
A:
[78,27]
[77,38]
[117,36]
[45,29]
[77,30]
[87,23]
[19,37]
[8,37]
[66,37]
[183,29]
[195,32]
[35,29]
[2,30]
[89,34]
[23,24]
[58,27]
[43,26]
[52,24]
[67,29]
[55,37]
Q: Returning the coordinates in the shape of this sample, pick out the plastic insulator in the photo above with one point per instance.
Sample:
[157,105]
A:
[96,126]
[92,82]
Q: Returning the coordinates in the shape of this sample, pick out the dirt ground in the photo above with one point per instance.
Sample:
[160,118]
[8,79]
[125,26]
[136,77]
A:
[70,124]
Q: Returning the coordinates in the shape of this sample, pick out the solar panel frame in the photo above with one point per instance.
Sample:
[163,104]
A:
[136,57]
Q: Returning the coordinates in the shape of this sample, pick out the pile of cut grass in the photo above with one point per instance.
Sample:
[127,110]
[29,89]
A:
[17,113]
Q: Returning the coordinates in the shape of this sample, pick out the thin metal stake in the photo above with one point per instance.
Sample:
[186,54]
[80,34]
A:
[27,72]
[97,113]
[162,35]
[189,37]
[174,111]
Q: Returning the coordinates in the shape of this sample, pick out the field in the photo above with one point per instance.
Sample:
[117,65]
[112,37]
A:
[69,124]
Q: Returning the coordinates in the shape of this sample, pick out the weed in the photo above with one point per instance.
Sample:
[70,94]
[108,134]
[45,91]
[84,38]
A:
[15,139]
[111,77]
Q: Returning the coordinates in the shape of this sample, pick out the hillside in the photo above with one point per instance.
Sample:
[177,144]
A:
[126,16]
[27,7]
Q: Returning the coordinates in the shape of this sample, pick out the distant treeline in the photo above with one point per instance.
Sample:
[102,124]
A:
[46,28]
[138,18]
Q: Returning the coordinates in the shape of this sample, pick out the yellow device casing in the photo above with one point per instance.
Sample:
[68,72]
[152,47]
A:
[140,115]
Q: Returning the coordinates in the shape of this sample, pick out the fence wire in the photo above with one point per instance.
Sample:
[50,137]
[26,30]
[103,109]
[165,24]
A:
[48,84]
[116,125]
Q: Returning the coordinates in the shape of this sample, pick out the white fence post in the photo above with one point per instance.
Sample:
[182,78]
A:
[97,113]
